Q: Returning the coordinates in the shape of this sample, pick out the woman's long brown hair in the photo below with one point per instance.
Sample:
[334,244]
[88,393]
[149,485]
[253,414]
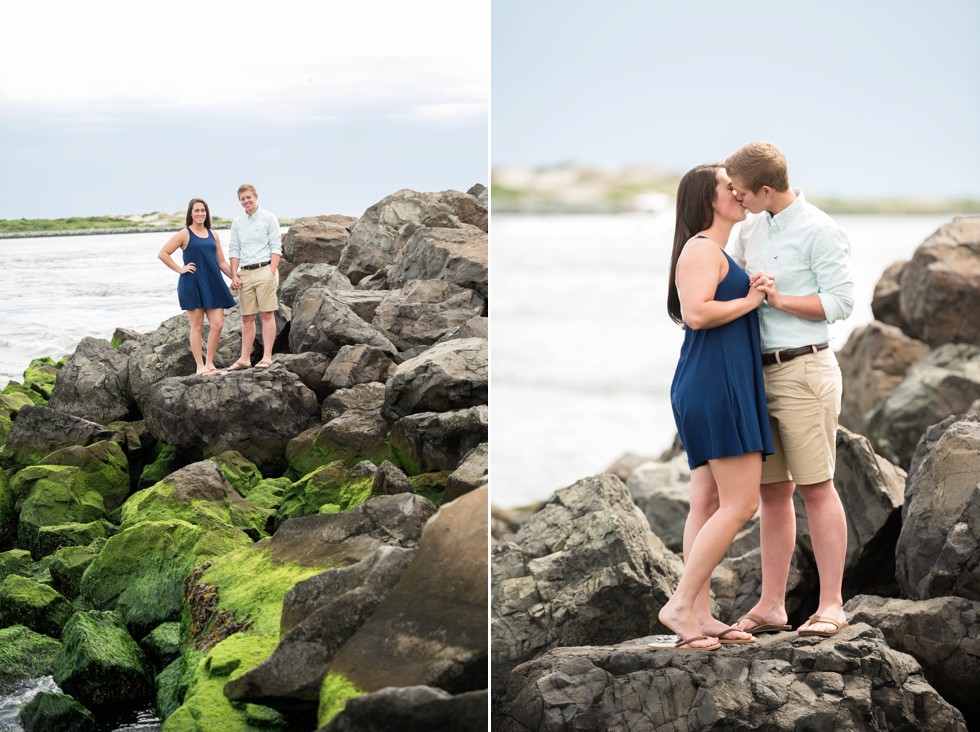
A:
[207,211]
[695,194]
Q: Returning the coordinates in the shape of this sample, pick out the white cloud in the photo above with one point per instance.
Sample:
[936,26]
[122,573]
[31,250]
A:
[302,59]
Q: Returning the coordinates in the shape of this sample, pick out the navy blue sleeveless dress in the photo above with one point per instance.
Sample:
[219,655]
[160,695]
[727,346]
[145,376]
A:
[205,287]
[718,395]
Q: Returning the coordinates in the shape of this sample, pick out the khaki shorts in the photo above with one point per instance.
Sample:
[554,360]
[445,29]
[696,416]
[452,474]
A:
[803,396]
[258,293]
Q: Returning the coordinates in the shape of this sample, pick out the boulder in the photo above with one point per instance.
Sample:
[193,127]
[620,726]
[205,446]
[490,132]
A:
[327,489]
[481,193]
[52,711]
[40,377]
[478,327]
[938,552]
[885,302]
[390,480]
[38,431]
[305,276]
[662,490]
[357,365]
[431,628]
[366,397]
[946,382]
[309,367]
[584,569]
[939,633]
[67,565]
[874,362]
[434,441]
[99,663]
[470,475]
[243,475]
[51,539]
[94,383]
[8,510]
[10,404]
[323,323]
[163,643]
[140,571]
[383,229]
[15,561]
[319,614]
[198,494]
[456,255]
[470,207]
[423,311]
[317,239]
[23,601]
[25,654]
[852,681]
[253,412]
[940,295]
[364,303]
[448,376]
[412,709]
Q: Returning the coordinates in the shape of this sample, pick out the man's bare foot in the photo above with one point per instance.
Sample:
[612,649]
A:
[832,612]
[685,626]
[760,620]
[714,628]
[240,365]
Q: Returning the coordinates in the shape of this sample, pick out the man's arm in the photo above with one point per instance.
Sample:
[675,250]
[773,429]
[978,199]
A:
[830,262]
[275,241]
[234,255]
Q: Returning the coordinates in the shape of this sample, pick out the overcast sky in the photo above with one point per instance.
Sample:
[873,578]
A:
[113,107]
[868,99]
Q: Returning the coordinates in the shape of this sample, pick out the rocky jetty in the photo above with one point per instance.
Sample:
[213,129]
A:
[293,548]
[578,581]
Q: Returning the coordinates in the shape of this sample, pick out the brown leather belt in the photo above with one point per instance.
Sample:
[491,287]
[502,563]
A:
[768,359]
[256,266]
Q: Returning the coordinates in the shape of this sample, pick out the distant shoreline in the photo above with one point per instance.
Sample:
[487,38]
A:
[219,224]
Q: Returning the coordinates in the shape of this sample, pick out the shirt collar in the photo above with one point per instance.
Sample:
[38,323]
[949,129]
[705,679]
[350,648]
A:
[783,218]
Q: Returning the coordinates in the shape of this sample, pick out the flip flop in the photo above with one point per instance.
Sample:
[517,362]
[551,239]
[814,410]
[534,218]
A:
[733,641]
[239,366]
[263,364]
[211,372]
[838,627]
[679,645]
[762,625]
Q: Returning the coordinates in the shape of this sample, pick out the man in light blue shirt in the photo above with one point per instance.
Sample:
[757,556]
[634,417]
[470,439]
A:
[807,259]
[254,251]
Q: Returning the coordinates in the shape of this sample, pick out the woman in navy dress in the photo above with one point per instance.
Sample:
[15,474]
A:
[201,290]
[717,395]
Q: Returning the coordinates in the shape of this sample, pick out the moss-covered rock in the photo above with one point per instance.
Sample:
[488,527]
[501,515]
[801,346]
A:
[331,485]
[141,570]
[22,392]
[269,492]
[164,462]
[353,437]
[52,711]
[169,694]
[103,468]
[54,498]
[8,511]
[238,470]
[100,663]
[15,561]
[198,494]
[24,601]
[25,654]
[10,404]
[431,485]
[67,565]
[335,692]
[52,538]
[41,375]
[162,643]
[205,707]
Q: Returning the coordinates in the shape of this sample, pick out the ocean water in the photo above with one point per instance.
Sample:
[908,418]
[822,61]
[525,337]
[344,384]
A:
[582,350]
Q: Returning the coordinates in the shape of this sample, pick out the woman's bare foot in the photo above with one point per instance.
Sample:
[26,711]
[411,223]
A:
[773,616]
[686,626]
[712,627]
[834,612]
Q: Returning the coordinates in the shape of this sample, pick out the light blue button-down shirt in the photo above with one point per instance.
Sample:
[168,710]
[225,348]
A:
[255,238]
[808,255]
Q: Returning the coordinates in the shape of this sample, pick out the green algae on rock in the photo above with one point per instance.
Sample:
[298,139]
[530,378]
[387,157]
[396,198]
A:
[67,565]
[52,711]
[10,404]
[99,662]
[8,511]
[15,561]
[330,484]
[335,692]
[25,601]
[164,463]
[25,654]
[52,538]
[239,471]
[141,570]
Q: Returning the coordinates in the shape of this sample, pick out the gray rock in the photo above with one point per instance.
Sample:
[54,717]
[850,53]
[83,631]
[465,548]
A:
[38,431]
[357,365]
[431,628]
[481,193]
[940,634]
[478,327]
[317,239]
[457,255]
[885,303]
[470,475]
[367,397]
[383,229]
[412,709]
[304,276]
[310,368]
[853,682]
[424,311]
[874,362]
[255,412]
[434,441]
[585,569]
[374,282]
[389,480]
[663,493]
[94,383]
[946,382]
[938,552]
[319,615]
[468,207]
[51,711]
[451,375]
[324,324]
[364,303]
[940,295]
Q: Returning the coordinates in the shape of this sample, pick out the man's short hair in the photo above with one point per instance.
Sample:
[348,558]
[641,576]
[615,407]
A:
[247,187]
[759,164]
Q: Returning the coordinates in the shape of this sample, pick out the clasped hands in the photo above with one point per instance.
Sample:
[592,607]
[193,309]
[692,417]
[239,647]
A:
[765,284]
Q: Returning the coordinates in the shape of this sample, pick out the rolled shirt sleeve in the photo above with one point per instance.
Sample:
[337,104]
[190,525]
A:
[830,261]
[275,240]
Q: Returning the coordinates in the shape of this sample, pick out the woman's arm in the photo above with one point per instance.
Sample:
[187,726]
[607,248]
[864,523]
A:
[177,241]
[700,268]
[222,262]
